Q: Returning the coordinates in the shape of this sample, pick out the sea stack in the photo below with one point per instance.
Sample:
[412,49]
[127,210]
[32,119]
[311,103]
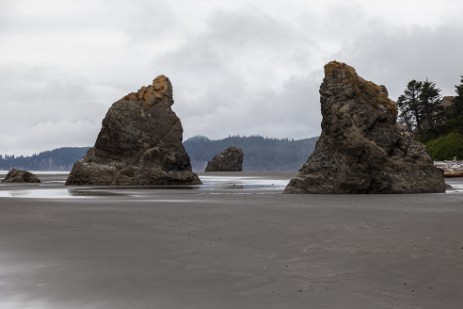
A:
[140,143]
[21,176]
[229,160]
[361,148]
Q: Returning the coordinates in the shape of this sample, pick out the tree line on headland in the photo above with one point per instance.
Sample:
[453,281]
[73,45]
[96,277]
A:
[435,120]
[260,154]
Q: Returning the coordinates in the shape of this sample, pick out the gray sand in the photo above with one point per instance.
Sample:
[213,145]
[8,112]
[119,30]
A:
[233,246]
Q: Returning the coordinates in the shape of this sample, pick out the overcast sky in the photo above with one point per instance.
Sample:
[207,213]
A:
[238,67]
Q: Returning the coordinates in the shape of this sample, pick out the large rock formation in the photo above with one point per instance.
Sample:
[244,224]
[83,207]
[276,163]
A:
[21,176]
[361,148]
[140,143]
[229,160]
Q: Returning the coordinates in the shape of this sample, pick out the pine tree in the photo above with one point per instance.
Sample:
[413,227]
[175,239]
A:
[421,110]
[429,101]
[457,106]
[409,106]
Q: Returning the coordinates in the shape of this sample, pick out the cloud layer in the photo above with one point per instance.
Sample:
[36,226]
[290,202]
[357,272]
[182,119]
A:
[242,67]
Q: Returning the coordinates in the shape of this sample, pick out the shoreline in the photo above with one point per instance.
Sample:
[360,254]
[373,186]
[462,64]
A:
[451,168]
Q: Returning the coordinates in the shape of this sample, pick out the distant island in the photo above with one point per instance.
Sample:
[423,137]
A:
[260,154]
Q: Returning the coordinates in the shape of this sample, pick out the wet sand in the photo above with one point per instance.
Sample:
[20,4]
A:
[232,244]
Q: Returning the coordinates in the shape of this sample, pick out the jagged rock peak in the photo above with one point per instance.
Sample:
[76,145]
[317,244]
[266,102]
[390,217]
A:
[362,149]
[160,89]
[140,143]
[344,81]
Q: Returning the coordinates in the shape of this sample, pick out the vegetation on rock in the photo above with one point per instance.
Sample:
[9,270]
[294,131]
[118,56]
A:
[434,120]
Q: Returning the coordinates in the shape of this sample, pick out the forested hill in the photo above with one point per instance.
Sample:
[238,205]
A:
[260,153]
[61,159]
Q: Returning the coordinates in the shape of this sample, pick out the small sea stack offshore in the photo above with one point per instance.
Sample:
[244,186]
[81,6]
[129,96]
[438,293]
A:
[362,149]
[21,176]
[140,143]
[229,160]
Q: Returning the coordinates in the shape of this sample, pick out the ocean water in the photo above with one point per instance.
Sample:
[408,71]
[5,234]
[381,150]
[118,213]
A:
[52,186]
[4,172]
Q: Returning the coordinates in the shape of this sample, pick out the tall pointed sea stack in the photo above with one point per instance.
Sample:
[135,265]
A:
[140,143]
[361,148]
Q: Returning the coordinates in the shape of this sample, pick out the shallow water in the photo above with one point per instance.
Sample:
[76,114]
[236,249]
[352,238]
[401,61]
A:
[243,183]
[456,185]
[39,193]
[54,188]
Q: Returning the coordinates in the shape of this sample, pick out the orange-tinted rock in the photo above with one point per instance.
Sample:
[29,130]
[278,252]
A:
[140,143]
[361,148]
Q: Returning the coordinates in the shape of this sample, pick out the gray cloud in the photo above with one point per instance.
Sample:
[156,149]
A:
[292,111]
[240,77]
[44,106]
[243,67]
[396,56]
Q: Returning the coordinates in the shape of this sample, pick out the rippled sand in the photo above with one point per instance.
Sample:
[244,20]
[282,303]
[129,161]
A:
[235,242]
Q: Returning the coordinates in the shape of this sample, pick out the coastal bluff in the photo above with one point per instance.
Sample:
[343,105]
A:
[140,143]
[362,149]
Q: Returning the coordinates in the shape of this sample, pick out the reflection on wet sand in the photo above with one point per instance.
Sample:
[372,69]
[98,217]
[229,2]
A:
[235,183]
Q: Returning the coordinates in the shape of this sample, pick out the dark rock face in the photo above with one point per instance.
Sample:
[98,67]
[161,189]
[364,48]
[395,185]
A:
[229,160]
[140,143]
[361,148]
[21,176]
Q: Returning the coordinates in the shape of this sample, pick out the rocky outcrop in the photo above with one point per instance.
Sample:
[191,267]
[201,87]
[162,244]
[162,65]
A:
[21,176]
[447,101]
[229,160]
[361,148]
[140,143]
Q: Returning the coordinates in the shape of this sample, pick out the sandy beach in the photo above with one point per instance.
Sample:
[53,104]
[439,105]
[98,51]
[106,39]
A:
[235,242]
